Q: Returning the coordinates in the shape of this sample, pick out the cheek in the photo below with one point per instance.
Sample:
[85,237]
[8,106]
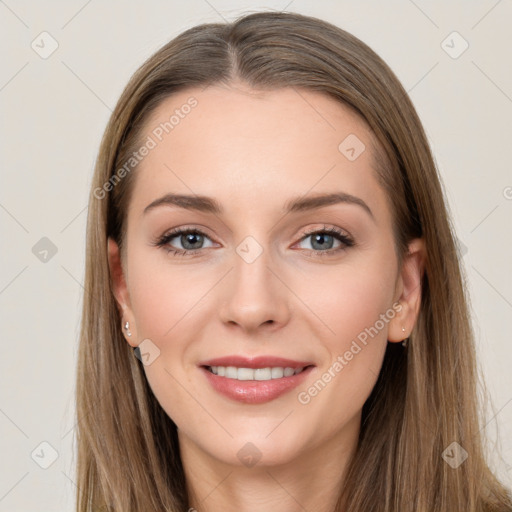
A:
[348,299]
[163,296]
[352,307]
[354,304]
[168,305]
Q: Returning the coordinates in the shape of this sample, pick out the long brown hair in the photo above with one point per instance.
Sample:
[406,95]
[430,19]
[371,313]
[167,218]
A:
[425,398]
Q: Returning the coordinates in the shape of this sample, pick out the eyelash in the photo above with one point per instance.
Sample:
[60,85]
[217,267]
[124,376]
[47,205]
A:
[336,233]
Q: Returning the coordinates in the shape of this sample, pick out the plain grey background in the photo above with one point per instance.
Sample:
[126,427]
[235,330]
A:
[64,65]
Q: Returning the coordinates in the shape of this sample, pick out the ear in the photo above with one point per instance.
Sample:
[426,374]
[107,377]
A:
[120,290]
[408,291]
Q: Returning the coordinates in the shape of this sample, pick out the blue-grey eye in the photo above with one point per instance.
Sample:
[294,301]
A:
[321,241]
[190,241]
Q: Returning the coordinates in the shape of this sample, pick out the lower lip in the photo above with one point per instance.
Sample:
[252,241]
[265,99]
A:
[255,391]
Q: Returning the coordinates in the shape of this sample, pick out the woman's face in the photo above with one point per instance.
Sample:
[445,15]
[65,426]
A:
[259,279]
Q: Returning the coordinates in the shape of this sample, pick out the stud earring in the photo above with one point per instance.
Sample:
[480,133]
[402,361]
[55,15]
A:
[127,327]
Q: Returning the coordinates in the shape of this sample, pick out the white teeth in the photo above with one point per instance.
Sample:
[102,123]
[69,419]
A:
[288,372]
[277,373]
[232,372]
[262,374]
[245,374]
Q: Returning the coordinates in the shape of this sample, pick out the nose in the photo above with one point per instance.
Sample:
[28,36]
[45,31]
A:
[255,295]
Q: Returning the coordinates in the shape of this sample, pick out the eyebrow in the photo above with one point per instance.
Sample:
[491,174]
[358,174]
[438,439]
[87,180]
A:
[209,205]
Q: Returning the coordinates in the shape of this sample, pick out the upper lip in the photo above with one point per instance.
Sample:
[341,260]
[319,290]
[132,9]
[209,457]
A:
[256,362]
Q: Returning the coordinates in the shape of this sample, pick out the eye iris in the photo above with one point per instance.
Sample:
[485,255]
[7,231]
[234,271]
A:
[321,238]
[189,238]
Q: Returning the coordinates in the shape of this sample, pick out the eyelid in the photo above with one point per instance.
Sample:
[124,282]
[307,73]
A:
[186,229]
[346,240]
[162,240]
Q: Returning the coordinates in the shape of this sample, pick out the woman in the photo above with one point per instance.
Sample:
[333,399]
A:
[267,231]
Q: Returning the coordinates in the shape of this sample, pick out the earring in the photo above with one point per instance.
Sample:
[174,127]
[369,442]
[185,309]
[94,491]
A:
[404,342]
[127,327]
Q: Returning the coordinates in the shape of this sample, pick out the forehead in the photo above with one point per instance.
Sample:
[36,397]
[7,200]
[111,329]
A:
[235,143]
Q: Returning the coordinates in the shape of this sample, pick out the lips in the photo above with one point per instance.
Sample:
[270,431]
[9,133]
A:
[255,391]
[256,362]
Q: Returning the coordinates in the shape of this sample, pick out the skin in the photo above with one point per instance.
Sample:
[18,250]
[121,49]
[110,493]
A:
[236,145]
